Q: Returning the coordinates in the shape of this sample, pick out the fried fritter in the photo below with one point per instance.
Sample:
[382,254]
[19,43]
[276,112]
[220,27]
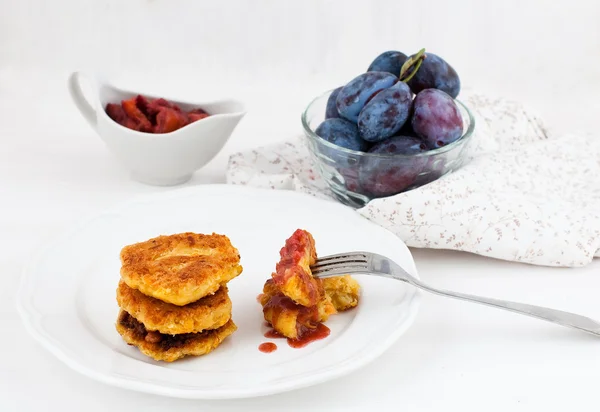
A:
[343,291]
[294,301]
[210,312]
[180,268]
[293,276]
[287,317]
[169,348]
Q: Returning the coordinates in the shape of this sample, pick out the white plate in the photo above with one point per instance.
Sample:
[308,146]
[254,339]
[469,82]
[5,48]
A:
[67,296]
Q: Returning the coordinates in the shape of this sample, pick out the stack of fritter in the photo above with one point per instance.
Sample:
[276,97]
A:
[173,294]
[293,301]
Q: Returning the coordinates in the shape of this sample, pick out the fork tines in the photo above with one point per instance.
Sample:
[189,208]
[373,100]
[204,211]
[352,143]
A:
[343,262]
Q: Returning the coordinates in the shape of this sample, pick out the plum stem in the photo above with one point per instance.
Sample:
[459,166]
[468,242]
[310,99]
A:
[411,66]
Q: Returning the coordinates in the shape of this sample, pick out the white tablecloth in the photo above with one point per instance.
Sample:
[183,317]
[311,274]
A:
[55,171]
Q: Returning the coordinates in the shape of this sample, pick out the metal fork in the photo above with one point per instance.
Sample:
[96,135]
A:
[374,264]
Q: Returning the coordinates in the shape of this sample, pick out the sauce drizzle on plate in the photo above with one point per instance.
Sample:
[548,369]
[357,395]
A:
[267,347]
[311,335]
[318,333]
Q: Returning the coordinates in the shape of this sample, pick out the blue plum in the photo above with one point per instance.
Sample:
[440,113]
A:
[390,61]
[331,111]
[435,73]
[350,178]
[389,175]
[401,145]
[385,113]
[353,96]
[436,118]
[407,129]
[342,133]
[433,170]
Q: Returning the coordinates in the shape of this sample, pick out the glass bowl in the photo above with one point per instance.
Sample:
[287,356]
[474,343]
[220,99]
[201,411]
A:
[357,177]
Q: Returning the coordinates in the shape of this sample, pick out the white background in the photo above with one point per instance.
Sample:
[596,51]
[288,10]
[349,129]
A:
[276,56]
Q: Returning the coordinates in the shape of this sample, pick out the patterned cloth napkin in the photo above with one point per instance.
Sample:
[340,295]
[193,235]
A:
[524,196]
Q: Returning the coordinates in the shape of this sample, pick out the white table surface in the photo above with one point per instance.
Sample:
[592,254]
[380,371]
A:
[457,356]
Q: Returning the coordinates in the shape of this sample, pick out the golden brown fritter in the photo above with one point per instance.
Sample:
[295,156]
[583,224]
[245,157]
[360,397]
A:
[169,348]
[210,312]
[287,317]
[293,276]
[180,268]
[294,302]
[343,291]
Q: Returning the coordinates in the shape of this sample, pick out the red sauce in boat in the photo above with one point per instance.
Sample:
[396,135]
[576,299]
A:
[267,347]
[152,115]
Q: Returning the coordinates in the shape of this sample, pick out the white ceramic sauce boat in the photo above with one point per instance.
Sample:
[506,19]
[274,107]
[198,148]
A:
[157,159]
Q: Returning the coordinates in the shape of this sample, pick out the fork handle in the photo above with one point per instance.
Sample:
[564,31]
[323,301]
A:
[552,315]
